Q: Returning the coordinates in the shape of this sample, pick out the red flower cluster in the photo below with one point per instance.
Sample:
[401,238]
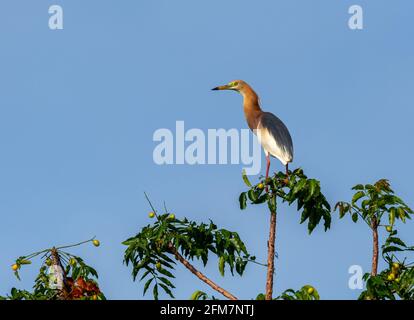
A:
[82,288]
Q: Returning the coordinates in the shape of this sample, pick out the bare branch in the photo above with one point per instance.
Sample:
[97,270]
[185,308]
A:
[374,227]
[271,256]
[200,275]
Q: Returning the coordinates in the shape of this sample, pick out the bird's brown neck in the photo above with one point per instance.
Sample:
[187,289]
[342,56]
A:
[252,110]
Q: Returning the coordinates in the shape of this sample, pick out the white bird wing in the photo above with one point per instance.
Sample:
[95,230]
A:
[275,137]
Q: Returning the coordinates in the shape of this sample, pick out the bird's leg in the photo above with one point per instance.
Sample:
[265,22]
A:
[267,171]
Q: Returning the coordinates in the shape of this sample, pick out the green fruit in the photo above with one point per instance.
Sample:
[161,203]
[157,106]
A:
[171,216]
[311,290]
[48,262]
[158,265]
[388,228]
[260,186]
[96,243]
[151,215]
[391,277]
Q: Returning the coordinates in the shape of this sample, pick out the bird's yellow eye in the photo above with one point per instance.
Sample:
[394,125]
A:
[233,84]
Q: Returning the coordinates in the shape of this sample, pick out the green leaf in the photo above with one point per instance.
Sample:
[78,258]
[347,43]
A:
[391,249]
[327,218]
[243,201]
[365,203]
[221,265]
[261,296]
[401,214]
[145,274]
[252,195]
[357,196]
[75,273]
[197,295]
[391,216]
[300,203]
[155,292]
[299,186]
[166,272]
[167,290]
[354,217]
[397,241]
[313,187]
[166,281]
[358,187]
[305,215]
[147,284]
[343,208]
[261,199]
[245,179]
[129,241]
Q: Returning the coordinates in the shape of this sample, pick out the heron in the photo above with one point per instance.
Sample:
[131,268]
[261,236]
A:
[271,132]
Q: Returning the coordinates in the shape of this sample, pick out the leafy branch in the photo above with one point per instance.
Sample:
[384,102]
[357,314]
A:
[396,281]
[62,275]
[291,188]
[152,249]
[370,203]
[299,189]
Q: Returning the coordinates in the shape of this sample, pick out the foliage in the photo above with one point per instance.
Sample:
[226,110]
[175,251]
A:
[297,188]
[152,249]
[395,282]
[307,292]
[373,202]
[78,278]
[200,295]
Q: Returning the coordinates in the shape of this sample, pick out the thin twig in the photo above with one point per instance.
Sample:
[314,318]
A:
[259,263]
[76,244]
[150,203]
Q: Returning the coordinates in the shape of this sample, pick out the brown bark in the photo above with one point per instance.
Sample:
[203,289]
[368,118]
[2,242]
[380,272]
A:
[56,261]
[271,256]
[200,275]
[374,227]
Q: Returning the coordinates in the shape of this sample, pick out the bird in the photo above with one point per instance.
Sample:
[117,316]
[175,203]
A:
[271,132]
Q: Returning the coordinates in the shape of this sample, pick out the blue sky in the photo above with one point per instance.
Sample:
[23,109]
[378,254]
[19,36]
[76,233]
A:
[78,108]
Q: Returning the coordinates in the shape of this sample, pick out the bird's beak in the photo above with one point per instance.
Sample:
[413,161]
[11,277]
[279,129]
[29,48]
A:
[225,87]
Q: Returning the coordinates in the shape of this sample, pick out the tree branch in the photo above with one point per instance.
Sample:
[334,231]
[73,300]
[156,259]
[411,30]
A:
[63,287]
[374,227]
[200,275]
[271,256]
